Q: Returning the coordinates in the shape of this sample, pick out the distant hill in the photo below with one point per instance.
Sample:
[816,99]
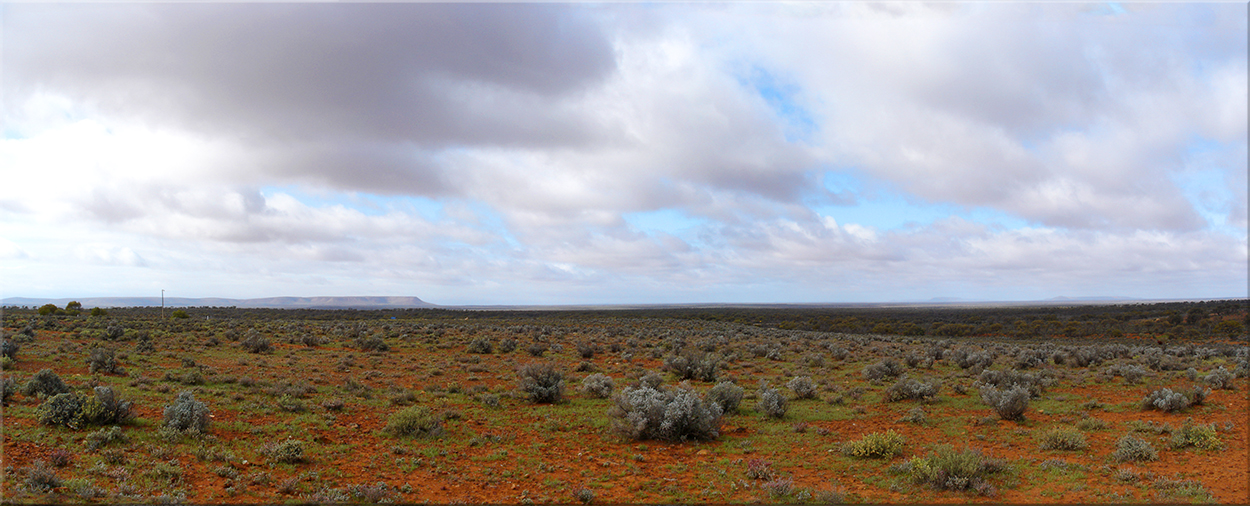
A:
[269,302]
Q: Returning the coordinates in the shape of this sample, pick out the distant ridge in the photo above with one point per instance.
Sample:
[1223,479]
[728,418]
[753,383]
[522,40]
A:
[268,302]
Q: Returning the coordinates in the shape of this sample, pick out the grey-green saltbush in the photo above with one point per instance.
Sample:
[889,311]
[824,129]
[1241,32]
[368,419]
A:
[674,415]
[913,389]
[598,385]
[542,383]
[1009,404]
[414,421]
[44,383]
[186,415]
[772,403]
[1130,448]
[802,387]
[726,395]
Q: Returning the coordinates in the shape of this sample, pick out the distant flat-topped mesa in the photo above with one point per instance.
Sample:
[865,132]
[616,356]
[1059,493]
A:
[268,302]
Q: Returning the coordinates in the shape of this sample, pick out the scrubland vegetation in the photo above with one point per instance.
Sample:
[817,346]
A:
[1129,403]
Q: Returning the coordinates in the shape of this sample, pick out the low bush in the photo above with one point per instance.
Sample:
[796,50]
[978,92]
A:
[8,387]
[480,345]
[542,383]
[1132,449]
[802,387]
[691,365]
[40,478]
[598,385]
[290,451]
[1198,436]
[760,469]
[1035,382]
[772,403]
[916,416]
[44,383]
[875,445]
[186,415]
[1060,438]
[946,469]
[1167,400]
[61,409]
[105,437]
[726,395]
[674,415]
[1220,379]
[414,421]
[9,349]
[536,349]
[372,342]
[885,368]
[507,345]
[105,408]
[103,360]
[1009,404]
[254,342]
[913,389]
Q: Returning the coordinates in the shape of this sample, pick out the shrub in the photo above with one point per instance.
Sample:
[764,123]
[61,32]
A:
[584,495]
[8,387]
[1220,378]
[1064,439]
[480,345]
[186,415]
[586,350]
[103,360]
[370,343]
[1008,404]
[913,389]
[1091,423]
[802,387]
[414,421]
[946,469]
[1166,400]
[9,349]
[1130,448]
[542,383]
[772,403]
[726,395]
[105,437]
[44,383]
[1035,383]
[61,409]
[651,380]
[106,408]
[760,469]
[507,345]
[1200,436]
[886,368]
[536,349]
[677,415]
[689,365]
[598,385]
[40,478]
[290,451]
[254,342]
[916,416]
[114,332]
[875,445]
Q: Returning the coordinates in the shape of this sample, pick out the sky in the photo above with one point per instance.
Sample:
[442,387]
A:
[626,153]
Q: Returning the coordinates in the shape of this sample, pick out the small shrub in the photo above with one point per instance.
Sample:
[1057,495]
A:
[916,416]
[1166,400]
[8,387]
[536,349]
[946,469]
[760,469]
[9,349]
[1008,404]
[254,342]
[186,415]
[507,345]
[1220,379]
[414,421]
[875,445]
[779,488]
[586,350]
[1064,439]
[678,415]
[726,395]
[290,451]
[480,345]
[885,368]
[802,387]
[772,403]
[1130,448]
[542,383]
[105,437]
[106,408]
[61,409]
[44,383]
[1199,436]
[40,478]
[913,389]
[689,365]
[584,495]
[598,385]
[1036,383]
[371,343]
[651,380]
[1088,424]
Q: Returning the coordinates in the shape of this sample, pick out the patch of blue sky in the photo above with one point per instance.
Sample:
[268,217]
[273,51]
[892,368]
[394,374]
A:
[886,209]
[783,97]
[1206,181]
[365,203]
[669,221]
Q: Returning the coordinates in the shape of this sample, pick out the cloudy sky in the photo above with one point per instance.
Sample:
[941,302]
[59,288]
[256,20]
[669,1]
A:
[625,153]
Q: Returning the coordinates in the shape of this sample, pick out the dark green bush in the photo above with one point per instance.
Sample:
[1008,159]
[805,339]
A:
[541,382]
[480,345]
[254,342]
[63,409]
[9,349]
[44,383]
[8,387]
[103,360]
